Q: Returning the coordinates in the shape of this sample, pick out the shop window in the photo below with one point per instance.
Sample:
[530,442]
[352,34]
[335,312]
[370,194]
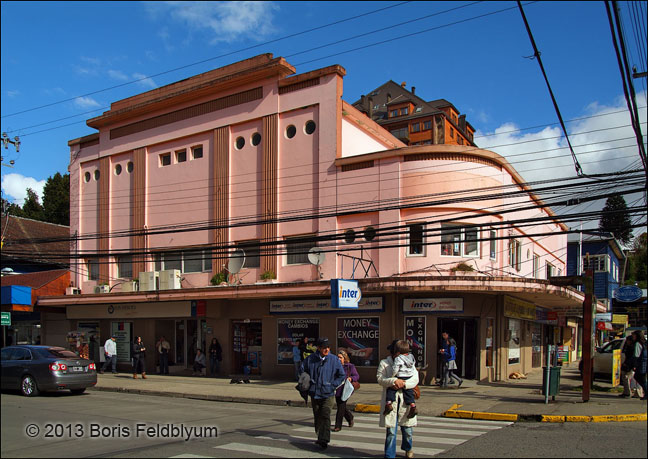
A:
[297,249]
[490,333]
[416,240]
[513,337]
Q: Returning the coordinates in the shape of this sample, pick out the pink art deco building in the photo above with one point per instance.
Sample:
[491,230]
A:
[251,158]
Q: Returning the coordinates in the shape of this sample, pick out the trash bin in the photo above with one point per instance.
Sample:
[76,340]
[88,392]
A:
[554,380]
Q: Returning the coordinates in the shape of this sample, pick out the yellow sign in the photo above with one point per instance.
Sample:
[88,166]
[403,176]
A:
[620,319]
[616,367]
[519,309]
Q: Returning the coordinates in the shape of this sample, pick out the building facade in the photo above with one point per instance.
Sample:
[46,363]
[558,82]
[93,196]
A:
[234,198]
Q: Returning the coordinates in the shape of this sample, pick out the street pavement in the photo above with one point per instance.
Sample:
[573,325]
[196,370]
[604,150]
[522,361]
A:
[521,398]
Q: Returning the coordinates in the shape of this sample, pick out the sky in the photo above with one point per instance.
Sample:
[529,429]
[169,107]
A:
[65,62]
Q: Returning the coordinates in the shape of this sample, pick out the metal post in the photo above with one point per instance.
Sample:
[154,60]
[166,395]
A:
[547,374]
[588,331]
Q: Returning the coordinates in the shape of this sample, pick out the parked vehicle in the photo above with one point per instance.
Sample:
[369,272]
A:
[602,358]
[35,369]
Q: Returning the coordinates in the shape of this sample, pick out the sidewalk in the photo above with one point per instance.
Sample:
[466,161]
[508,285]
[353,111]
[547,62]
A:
[522,399]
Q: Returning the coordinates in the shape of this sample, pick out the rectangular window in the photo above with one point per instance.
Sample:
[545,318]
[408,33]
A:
[165,159]
[93,269]
[457,241]
[252,253]
[416,240]
[598,263]
[460,140]
[416,127]
[181,156]
[404,111]
[192,261]
[297,249]
[400,133]
[550,270]
[125,267]
[493,244]
[515,254]
[471,242]
[451,133]
[393,113]
[536,266]
[197,152]
[427,125]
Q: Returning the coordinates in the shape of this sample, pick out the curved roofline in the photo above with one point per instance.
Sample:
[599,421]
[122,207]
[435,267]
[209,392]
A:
[453,149]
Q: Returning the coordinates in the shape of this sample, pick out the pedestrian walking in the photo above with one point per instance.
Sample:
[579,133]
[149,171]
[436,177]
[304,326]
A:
[296,355]
[163,348]
[110,351]
[640,360]
[404,367]
[352,375]
[398,416]
[326,374]
[215,357]
[138,353]
[448,355]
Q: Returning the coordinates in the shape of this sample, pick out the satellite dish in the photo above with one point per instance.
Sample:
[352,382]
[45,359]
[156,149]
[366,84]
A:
[236,261]
[316,256]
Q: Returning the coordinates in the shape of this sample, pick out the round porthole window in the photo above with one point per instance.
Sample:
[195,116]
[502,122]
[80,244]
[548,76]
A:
[349,236]
[291,131]
[118,169]
[370,233]
[310,126]
[256,139]
[130,166]
[240,143]
[96,175]
[87,177]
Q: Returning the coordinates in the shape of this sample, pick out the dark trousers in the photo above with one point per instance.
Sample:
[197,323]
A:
[164,363]
[214,366]
[641,380]
[342,412]
[322,408]
[139,364]
[112,361]
[408,394]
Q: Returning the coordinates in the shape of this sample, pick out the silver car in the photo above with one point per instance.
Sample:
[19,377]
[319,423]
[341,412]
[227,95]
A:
[602,358]
[35,369]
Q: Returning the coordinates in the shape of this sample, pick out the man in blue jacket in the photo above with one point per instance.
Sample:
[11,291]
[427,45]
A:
[326,374]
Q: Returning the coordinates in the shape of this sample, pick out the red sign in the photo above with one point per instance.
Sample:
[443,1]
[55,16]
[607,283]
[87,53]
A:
[552,315]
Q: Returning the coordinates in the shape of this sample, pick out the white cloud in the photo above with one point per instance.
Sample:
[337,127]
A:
[12,93]
[15,187]
[145,81]
[117,75]
[86,102]
[223,21]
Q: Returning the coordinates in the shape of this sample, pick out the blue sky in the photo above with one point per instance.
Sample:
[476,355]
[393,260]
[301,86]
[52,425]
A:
[65,56]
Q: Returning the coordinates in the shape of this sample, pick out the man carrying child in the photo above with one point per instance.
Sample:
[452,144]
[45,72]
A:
[404,368]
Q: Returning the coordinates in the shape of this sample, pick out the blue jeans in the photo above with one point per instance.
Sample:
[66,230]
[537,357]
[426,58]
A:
[110,361]
[390,440]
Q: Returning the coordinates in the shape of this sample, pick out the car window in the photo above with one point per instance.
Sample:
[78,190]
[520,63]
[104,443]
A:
[60,354]
[20,354]
[607,347]
[616,344]
[6,354]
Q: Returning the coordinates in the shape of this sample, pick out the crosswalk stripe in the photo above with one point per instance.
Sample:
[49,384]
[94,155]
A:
[356,445]
[463,432]
[439,420]
[270,451]
[381,434]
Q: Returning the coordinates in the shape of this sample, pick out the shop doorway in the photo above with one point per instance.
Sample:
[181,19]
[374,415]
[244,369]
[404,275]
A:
[246,346]
[189,336]
[536,345]
[466,333]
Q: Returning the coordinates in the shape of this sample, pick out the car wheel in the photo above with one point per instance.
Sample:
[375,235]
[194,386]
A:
[77,391]
[28,386]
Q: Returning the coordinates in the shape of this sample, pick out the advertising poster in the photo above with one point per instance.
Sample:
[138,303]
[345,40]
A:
[290,330]
[415,336]
[360,338]
[616,367]
[122,331]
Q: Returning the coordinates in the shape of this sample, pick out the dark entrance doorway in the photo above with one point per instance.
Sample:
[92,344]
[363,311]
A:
[465,332]
[247,346]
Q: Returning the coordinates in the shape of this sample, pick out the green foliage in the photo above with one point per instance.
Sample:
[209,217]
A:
[266,275]
[32,207]
[462,267]
[219,278]
[616,219]
[56,199]
[637,264]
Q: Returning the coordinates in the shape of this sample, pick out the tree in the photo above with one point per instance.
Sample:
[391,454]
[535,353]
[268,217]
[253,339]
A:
[56,199]
[637,262]
[616,219]
[32,207]
[9,208]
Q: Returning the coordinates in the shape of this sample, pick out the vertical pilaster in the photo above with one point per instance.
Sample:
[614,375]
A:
[269,191]
[103,204]
[138,211]
[221,174]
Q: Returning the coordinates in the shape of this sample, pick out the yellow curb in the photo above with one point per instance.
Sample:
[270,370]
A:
[361,408]
[462,414]
[451,414]
[578,418]
[494,416]
[549,418]
[620,418]
[606,418]
[454,407]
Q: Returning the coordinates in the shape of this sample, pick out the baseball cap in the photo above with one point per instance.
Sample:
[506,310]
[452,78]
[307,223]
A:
[392,346]
[322,342]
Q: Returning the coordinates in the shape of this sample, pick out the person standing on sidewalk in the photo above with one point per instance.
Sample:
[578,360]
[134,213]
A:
[215,357]
[139,357]
[110,351]
[326,374]
[627,371]
[163,348]
[640,360]
[353,376]
[297,361]
[398,416]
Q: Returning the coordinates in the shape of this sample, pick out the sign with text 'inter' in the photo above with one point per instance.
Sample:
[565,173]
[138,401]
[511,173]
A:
[345,294]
